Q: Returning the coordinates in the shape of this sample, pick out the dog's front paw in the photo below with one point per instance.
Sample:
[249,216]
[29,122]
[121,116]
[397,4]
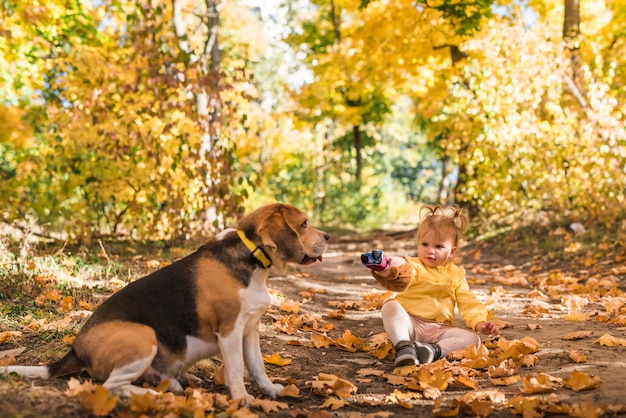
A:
[272,390]
[247,400]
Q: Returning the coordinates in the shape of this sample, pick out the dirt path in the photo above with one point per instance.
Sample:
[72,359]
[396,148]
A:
[315,295]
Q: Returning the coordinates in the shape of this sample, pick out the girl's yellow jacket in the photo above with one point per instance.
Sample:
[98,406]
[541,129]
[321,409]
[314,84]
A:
[432,293]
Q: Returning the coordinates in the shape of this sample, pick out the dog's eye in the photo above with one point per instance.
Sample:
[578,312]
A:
[305,224]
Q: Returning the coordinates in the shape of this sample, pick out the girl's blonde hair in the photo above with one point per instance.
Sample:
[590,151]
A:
[445,220]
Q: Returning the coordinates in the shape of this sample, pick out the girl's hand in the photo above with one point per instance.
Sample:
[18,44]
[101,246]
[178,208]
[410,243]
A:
[487,328]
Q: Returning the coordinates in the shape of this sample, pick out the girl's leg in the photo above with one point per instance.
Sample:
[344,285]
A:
[397,323]
[457,339]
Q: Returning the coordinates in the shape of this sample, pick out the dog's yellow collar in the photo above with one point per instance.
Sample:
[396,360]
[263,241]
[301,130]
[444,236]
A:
[257,252]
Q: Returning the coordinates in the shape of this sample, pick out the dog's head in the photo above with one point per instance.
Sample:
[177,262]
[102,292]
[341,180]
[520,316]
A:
[284,232]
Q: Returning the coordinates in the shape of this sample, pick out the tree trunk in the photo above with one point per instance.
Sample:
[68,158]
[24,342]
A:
[356,131]
[207,102]
[571,33]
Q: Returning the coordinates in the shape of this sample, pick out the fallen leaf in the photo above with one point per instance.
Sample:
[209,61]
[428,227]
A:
[276,360]
[321,341]
[268,405]
[577,356]
[290,306]
[540,383]
[505,381]
[291,391]
[576,335]
[10,336]
[99,402]
[610,341]
[334,403]
[578,381]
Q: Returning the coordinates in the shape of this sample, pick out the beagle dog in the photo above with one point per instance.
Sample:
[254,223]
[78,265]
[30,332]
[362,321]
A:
[209,302]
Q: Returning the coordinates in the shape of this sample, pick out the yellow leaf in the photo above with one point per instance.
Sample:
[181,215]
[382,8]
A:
[290,306]
[268,405]
[99,402]
[505,381]
[577,316]
[445,411]
[576,335]
[334,403]
[320,341]
[291,391]
[581,381]
[143,403]
[610,341]
[276,359]
[577,356]
[348,341]
[540,383]
[9,336]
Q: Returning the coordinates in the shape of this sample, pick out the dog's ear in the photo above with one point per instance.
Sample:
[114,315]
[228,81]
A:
[280,239]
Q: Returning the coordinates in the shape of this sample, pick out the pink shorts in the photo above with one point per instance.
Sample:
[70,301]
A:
[427,330]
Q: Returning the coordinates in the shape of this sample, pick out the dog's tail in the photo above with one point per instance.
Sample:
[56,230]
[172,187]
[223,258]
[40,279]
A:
[69,364]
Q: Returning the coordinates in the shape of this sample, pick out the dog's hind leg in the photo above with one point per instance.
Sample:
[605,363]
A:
[117,353]
[128,373]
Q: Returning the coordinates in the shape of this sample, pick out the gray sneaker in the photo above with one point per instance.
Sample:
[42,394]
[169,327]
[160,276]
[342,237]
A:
[427,352]
[405,354]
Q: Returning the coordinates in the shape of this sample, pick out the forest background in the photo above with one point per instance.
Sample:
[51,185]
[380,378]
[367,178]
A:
[160,120]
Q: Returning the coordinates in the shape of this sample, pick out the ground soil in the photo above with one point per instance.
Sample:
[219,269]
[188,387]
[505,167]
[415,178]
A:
[340,277]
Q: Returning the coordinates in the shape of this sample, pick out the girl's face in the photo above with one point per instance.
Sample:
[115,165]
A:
[434,249]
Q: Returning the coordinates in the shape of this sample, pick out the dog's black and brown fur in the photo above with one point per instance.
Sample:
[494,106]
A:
[207,303]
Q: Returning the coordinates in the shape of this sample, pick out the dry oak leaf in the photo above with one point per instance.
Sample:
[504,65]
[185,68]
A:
[577,356]
[585,410]
[536,406]
[326,384]
[8,336]
[291,391]
[268,405]
[334,403]
[539,383]
[577,316]
[581,381]
[321,341]
[443,411]
[290,306]
[576,335]
[505,381]
[348,341]
[99,402]
[610,341]
[75,387]
[395,380]
[276,360]
[370,372]
[507,367]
